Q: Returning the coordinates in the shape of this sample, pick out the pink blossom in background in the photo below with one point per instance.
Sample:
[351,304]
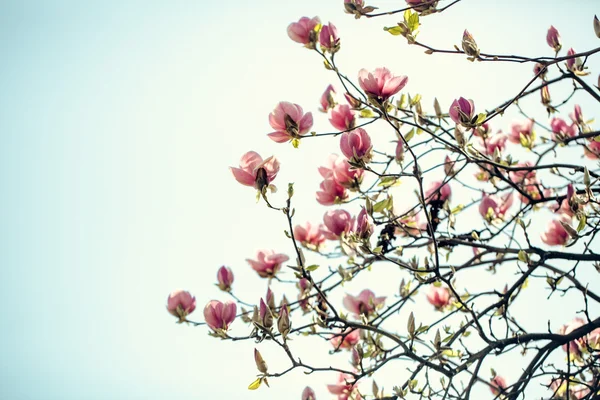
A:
[364,225]
[342,389]
[180,304]
[574,346]
[592,150]
[224,278]
[338,223]
[553,38]
[462,111]
[555,234]
[484,130]
[353,102]
[309,234]
[219,315]
[254,171]
[497,141]
[399,151]
[304,31]
[498,204]
[308,394]
[356,145]
[289,122]
[565,206]
[342,118]
[439,297]
[409,226]
[364,304]
[421,5]
[351,338]
[328,38]
[339,169]
[267,263]
[498,385]
[437,192]
[561,130]
[523,128]
[577,115]
[381,84]
[330,192]
[327,100]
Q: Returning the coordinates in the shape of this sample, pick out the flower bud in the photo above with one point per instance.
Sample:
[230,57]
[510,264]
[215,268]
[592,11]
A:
[261,365]
[553,39]
[546,99]
[597,26]
[283,322]
[308,394]
[352,101]
[225,278]
[180,304]
[266,318]
[469,45]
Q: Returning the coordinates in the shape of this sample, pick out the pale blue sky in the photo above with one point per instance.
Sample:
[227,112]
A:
[119,120]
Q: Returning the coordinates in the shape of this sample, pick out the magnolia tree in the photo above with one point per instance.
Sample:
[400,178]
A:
[540,171]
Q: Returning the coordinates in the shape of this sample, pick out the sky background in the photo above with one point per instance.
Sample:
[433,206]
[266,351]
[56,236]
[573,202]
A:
[119,120]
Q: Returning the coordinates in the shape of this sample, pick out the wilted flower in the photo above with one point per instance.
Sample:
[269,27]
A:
[469,45]
[180,304]
[267,263]
[225,278]
[289,122]
[219,315]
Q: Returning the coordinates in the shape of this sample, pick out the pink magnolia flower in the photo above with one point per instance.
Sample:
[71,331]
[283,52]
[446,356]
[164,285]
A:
[365,303]
[364,225]
[338,223]
[329,39]
[565,205]
[483,131]
[327,100]
[421,5]
[342,118]
[219,315]
[498,385]
[408,226]
[522,175]
[437,192]
[538,70]
[289,122]
[553,39]
[592,150]
[267,263]
[495,142]
[439,297]
[462,111]
[556,234]
[575,346]
[356,145]
[495,207]
[351,338]
[381,84]
[304,31]
[577,115]
[308,394]
[517,129]
[310,235]
[339,169]
[561,130]
[225,278]
[254,171]
[343,388]
[181,304]
[331,192]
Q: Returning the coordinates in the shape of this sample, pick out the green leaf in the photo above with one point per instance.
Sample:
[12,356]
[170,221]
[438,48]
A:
[581,224]
[255,385]
[312,268]
[409,135]
[523,257]
[394,30]
[295,143]
[389,181]
[377,250]
[367,113]
[480,118]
